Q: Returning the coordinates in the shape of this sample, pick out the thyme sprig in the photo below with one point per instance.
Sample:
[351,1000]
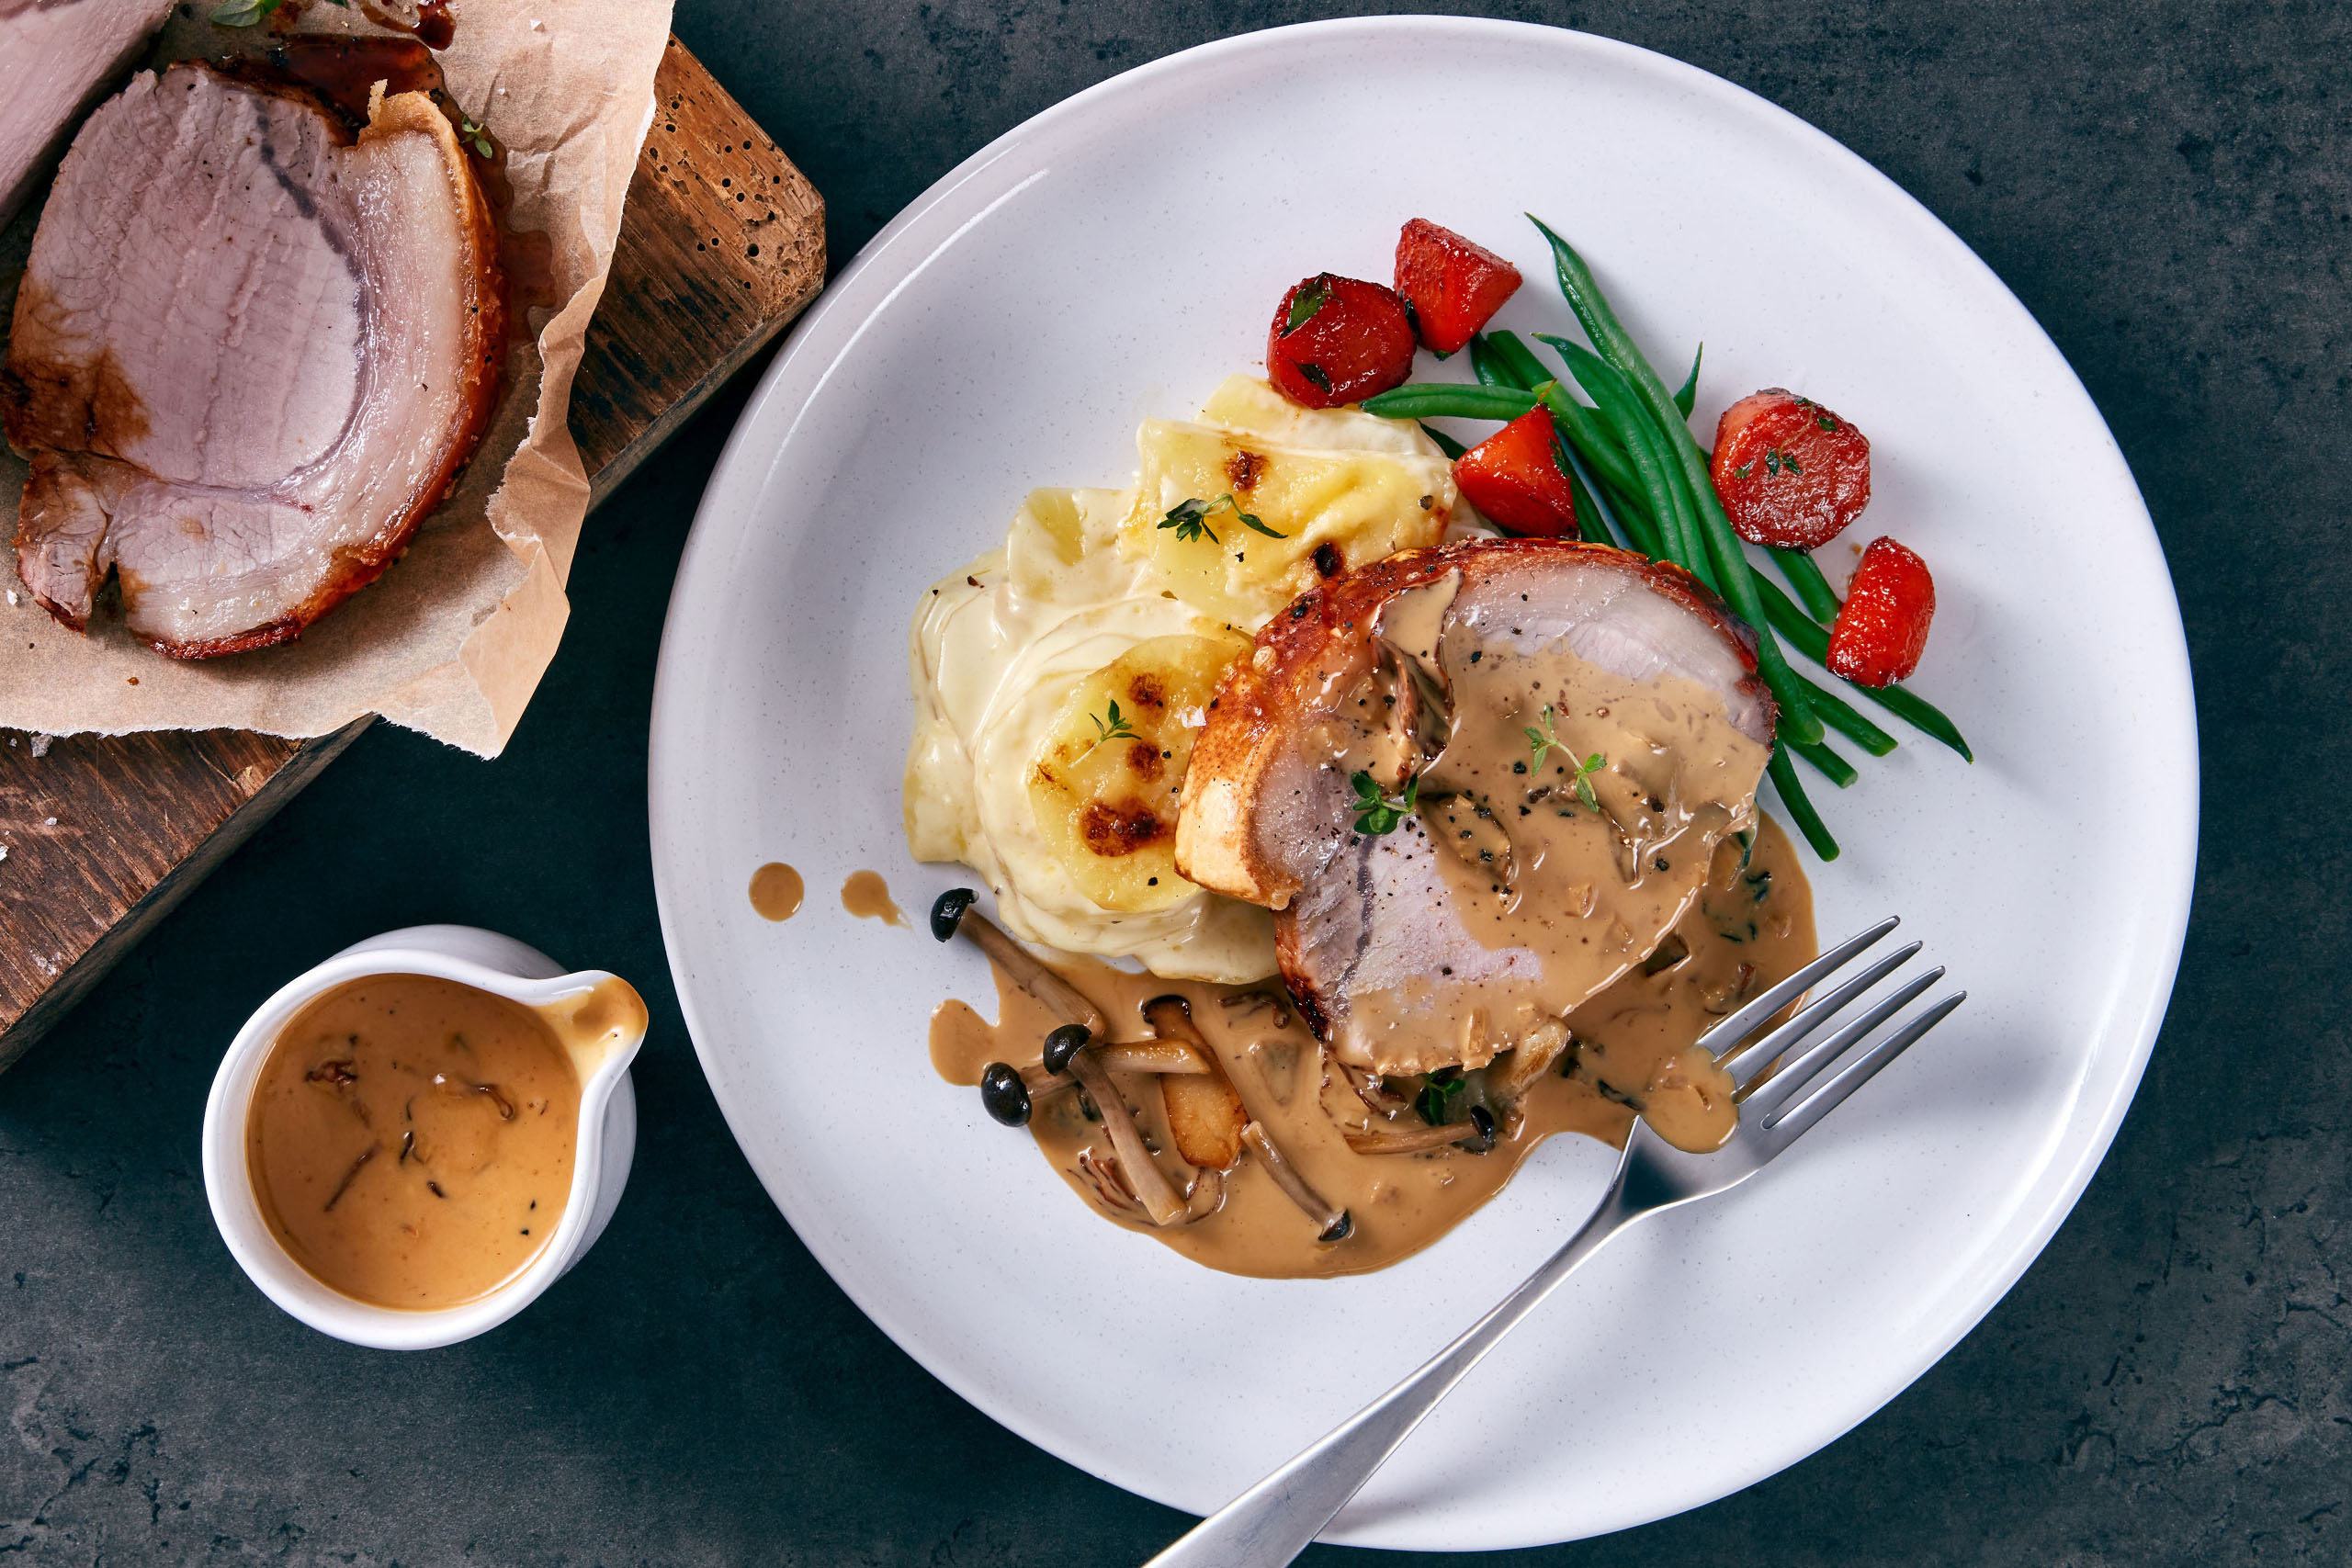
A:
[1190,519]
[1115,728]
[1379,813]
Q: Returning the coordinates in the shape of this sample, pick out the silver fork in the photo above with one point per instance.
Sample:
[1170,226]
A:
[1273,1521]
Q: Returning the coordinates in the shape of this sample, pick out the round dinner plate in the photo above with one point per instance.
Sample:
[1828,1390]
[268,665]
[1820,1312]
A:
[1116,257]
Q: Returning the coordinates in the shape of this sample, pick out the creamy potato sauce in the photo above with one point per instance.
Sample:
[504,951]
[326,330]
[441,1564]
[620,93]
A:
[411,1140]
[1002,649]
[1629,1047]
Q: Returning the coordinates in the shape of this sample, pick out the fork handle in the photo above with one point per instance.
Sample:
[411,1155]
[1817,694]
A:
[1272,1522]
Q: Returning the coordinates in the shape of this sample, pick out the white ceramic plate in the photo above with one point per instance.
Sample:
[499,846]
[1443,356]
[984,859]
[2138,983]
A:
[1116,256]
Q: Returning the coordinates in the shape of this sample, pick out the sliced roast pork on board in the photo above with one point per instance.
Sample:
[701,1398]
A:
[1578,728]
[250,353]
[55,56]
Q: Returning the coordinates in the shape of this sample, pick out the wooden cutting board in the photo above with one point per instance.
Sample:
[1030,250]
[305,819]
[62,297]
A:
[721,244]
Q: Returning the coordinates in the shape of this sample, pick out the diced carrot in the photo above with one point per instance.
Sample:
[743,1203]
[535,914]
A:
[1882,629]
[1514,477]
[1453,285]
[1788,471]
[1338,340]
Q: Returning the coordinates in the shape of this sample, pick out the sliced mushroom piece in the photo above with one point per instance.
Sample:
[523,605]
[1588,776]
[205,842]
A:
[1152,1186]
[1330,1223]
[1476,1138]
[953,914]
[1205,1116]
[1513,1076]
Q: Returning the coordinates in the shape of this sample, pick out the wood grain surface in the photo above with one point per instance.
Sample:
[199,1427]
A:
[721,244]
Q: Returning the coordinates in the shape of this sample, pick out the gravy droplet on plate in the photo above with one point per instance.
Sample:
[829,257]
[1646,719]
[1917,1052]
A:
[776,891]
[411,1140]
[868,897]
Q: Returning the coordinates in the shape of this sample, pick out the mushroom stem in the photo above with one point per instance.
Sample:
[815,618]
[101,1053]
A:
[1159,1200]
[1418,1141]
[1207,1196]
[1159,1058]
[1171,1018]
[1056,995]
[1330,1223]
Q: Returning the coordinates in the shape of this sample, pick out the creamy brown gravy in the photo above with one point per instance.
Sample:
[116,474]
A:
[776,891]
[1563,895]
[868,897]
[411,1139]
[1632,1044]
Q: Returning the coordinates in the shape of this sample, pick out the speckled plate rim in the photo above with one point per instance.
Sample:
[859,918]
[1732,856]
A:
[693,654]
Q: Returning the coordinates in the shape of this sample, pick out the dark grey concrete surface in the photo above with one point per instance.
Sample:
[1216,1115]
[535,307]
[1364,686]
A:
[2166,185]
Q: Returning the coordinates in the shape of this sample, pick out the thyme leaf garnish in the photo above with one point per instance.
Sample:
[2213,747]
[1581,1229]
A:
[1380,814]
[242,13]
[1307,302]
[469,131]
[1542,740]
[1114,729]
[1582,783]
[1190,519]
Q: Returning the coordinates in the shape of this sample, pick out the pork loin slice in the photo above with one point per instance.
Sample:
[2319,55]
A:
[1500,899]
[56,56]
[249,354]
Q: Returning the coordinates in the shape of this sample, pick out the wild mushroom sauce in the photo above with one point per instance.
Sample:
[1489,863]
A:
[1629,1047]
[1567,812]
[411,1139]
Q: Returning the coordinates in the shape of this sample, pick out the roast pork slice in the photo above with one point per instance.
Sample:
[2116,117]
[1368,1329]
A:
[1440,931]
[56,57]
[250,353]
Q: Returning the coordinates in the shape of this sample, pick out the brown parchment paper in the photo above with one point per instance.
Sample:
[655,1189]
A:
[453,638]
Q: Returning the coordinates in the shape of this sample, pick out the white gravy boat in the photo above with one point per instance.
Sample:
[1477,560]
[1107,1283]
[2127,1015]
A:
[604,1146]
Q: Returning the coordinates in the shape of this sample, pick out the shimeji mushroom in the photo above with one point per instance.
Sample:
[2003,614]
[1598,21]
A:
[953,913]
[1332,1223]
[1066,1052]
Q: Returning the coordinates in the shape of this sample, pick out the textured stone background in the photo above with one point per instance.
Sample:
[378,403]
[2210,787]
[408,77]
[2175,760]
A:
[2166,187]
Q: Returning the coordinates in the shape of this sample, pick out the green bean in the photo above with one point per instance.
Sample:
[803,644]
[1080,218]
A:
[1618,407]
[1445,444]
[1811,639]
[1801,811]
[1833,767]
[1689,391]
[1739,579]
[1805,575]
[1450,399]
[1631,523]
[1487,365]
[1842,716]
[1591,526]
[1515,359]
[1677,523]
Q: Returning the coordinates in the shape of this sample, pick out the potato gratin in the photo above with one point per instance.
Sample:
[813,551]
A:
[1059,682]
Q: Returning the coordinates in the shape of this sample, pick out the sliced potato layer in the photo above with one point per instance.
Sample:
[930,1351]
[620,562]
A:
[1104,782]
[1334,507]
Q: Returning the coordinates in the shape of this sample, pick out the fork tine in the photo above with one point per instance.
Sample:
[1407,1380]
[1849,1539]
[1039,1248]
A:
[1747,1065]
[1739,1025]
[1792,1125]
[1790,1081]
